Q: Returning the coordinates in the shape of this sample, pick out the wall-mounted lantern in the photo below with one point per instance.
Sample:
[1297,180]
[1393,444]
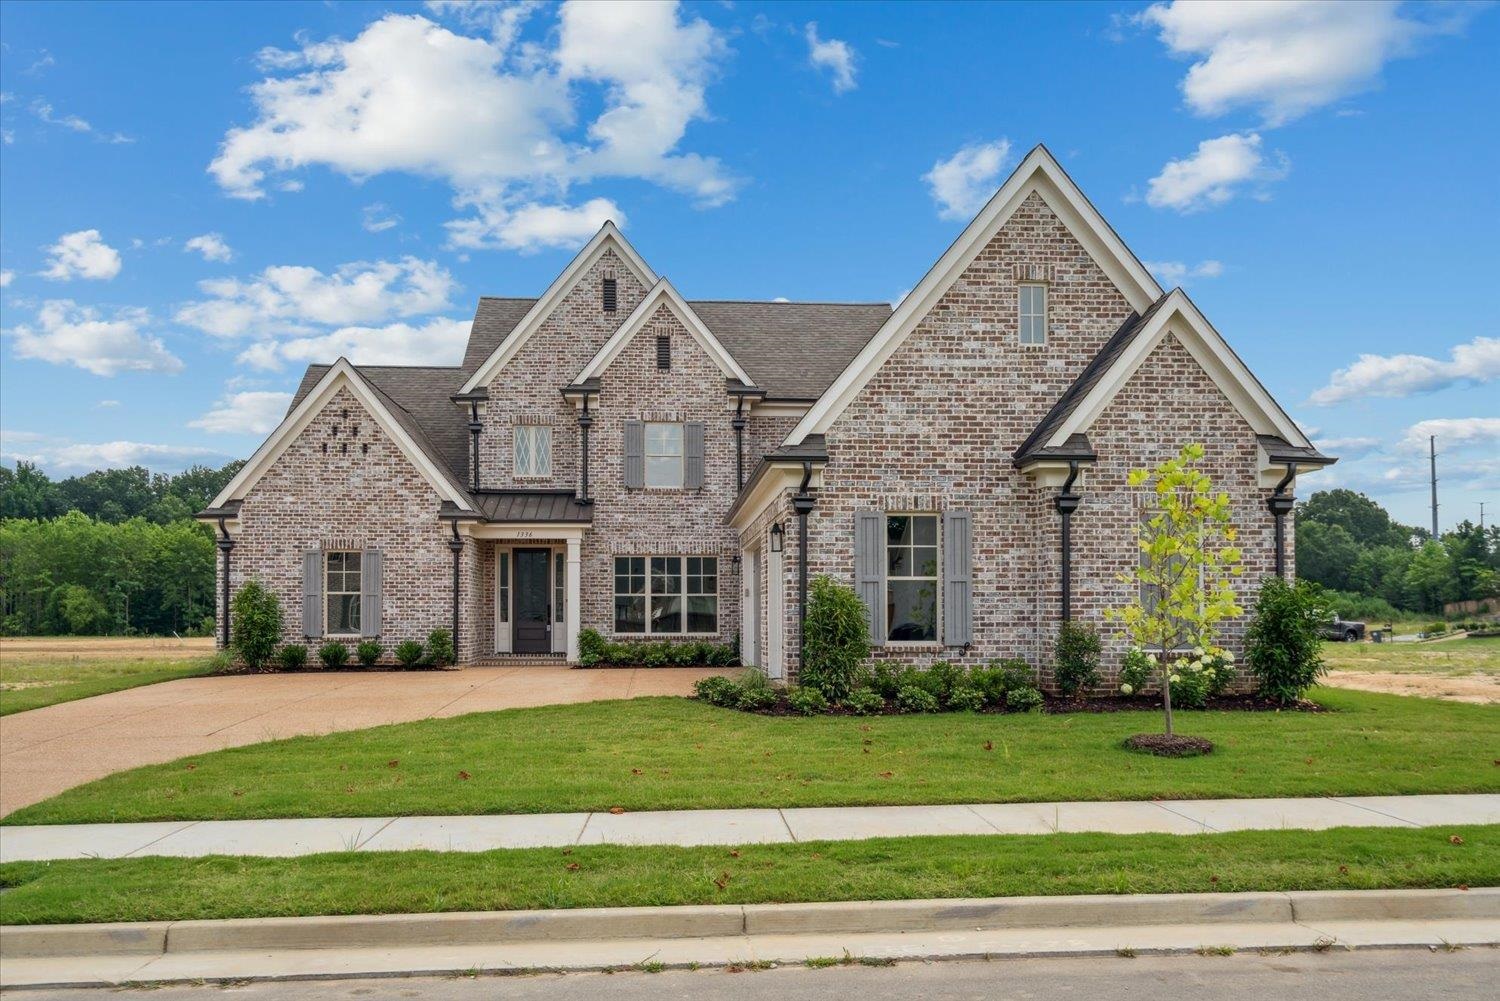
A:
[778,538]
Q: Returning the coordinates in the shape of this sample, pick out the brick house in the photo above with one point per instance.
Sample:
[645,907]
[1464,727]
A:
[613,456]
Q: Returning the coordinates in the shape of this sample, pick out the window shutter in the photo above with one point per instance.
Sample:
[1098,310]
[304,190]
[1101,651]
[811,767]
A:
[869,570]
[370,583]
[312,593]
[958,580]
[692,455]
[635,455]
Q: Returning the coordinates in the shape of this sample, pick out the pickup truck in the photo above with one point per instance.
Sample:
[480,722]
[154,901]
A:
[1342,630]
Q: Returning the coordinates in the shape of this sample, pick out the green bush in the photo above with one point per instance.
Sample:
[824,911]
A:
[1136,672]
[222,662]
[1199,676]
[756,693]
[997,677]
[256,629]
[912,699]
[1023,699]
[656,654]
[1434,628]
[718,691]
[807,701]
[965,699]
[884,678]
[368,652]
[409,653]
[1361,607]
[864,702]
[837,640]
[293,657]
[333,654]
[592,647]
[1077,657]
[1284,642]
[440,648]
[941,679]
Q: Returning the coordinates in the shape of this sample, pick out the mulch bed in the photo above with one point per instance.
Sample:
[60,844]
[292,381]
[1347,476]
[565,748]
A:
[1169,746]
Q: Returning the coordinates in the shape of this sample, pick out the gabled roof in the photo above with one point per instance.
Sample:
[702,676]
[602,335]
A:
[663,294]
[397,422]
[608,238]
[1038,173]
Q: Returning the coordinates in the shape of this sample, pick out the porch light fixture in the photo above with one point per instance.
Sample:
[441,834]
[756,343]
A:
[778,538]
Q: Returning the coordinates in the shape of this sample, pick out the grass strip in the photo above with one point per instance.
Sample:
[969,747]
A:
[87,680]
[154,889]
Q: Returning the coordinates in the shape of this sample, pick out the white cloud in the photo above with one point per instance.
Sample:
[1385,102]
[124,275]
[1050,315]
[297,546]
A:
[833,55]
[1347,448]
[1452,433]
[251,412]
[507,125]
[437,342]
[82,255]
[962,183]
[1175,272]
[378,218]
[501,18]
[1474,363]
[287,298]
[1219,170]
[106,404]
[1293,56]
[58,455]
[73,123]
[6,277]
[66,333]
[211,246]
[533,227]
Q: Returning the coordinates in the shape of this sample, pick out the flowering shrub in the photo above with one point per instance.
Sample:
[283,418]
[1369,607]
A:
[1196,676]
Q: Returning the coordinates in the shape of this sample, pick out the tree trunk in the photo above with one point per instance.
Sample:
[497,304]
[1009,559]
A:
[1166,689]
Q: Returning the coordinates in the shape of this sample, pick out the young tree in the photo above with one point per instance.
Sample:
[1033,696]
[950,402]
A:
[1187,557]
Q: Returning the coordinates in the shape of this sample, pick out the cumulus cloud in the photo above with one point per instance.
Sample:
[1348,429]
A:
[1347,448]
[1474,363]
[437,342]
[1176,272]
[1452,433]
[962,183]
[66,333]
[1293,56]
[507,125]
[289,299]
[211,246]
[61,455]
[83,254]
[833,55]
[532,227]
[1215,173]
[251,412]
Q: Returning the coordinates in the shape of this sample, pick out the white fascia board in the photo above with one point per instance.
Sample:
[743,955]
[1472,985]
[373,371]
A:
[1038,172]
[609,237]
[663,293]
[341,374]
[1180,317]
[784,476]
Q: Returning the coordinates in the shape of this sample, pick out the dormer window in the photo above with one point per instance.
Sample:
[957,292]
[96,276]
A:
[610,293]
[1033,318]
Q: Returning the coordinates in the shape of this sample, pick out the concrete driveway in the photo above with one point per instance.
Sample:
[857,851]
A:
[44,751]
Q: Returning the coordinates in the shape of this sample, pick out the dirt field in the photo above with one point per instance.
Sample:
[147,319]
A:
[103,649]
[1479,688]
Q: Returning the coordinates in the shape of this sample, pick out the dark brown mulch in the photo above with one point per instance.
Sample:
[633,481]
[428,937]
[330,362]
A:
[1224,703]
[1169,746]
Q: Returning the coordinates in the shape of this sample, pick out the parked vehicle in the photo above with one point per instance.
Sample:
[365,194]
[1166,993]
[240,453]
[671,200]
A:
[1343,631]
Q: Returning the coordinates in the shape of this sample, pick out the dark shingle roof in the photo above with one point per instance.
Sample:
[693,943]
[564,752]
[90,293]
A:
[1279,450]
[493,319]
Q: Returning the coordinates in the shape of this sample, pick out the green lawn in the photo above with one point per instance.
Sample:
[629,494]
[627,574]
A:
[155,889]
[44,672]
[1454,657]
[667,753]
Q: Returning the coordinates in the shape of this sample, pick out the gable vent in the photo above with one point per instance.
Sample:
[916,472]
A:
[664,353]
[611,295]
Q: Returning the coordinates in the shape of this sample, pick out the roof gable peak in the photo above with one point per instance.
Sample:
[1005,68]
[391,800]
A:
[663,294]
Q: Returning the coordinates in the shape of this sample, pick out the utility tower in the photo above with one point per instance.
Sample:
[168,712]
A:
[1432,462]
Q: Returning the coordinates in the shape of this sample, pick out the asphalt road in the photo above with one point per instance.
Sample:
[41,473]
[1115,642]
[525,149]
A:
[1399,975]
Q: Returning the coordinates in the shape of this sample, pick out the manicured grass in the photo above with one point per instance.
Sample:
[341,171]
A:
[1454,657]
[155,889]
[44,671]
[666,753]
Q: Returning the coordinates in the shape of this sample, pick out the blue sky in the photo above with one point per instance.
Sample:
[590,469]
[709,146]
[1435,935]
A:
[197,200]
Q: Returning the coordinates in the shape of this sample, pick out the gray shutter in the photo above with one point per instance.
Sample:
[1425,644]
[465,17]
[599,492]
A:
[692,455]
[958,579]
[635,455]
[869,570]
[312,593]
[371,580]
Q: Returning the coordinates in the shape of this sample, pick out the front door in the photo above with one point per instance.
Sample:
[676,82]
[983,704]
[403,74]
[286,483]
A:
[532,621]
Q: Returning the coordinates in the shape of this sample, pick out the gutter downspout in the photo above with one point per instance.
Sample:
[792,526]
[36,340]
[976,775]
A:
[802,503]
[738,423]
[1066,503]
[585,421]
[457,545]
[226,545]
[1279,504]
[474,428]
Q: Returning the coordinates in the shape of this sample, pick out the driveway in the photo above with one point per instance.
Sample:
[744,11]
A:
[44,751]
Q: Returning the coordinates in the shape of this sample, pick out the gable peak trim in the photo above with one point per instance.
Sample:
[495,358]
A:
[663,294]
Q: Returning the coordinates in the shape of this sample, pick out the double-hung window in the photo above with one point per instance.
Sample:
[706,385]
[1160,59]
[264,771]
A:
[533,450]
[663,455]
[911,587]
[1033,317]
[341,585]
[667,595]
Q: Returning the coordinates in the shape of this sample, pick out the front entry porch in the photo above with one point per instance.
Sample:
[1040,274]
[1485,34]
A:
[535,591]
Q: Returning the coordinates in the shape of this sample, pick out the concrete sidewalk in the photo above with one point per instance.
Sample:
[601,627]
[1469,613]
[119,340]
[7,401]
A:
[730,827]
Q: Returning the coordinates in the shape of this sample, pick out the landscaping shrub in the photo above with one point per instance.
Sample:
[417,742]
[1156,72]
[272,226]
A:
[997,677]
[1199,676]
[1135,671]
[940,680]
[864,702]
[756,692]
[1077,658]
[594,650]
[440,648]
[293,656]
[837,641]
[592,647]
[912,699]
[718,691]
[1434,628]
[333,654]
[368,652]
[807,701]
[409,653]
[965,699]
[256,616]
[656,654]
[222,662]
[1023,699]
[884,678]
[1284,643]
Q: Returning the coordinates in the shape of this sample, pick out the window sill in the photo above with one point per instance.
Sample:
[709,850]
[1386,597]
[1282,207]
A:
[913,644]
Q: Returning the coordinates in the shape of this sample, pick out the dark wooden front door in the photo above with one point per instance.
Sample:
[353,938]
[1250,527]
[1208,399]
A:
[533,618]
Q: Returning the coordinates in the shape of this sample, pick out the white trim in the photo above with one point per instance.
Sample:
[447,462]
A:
[663,293]
[608,238]
[1039,172]
[784,475]
[537,534]
[1179,317]
[750,613]
[773,408]
[341,374]
[775,665]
